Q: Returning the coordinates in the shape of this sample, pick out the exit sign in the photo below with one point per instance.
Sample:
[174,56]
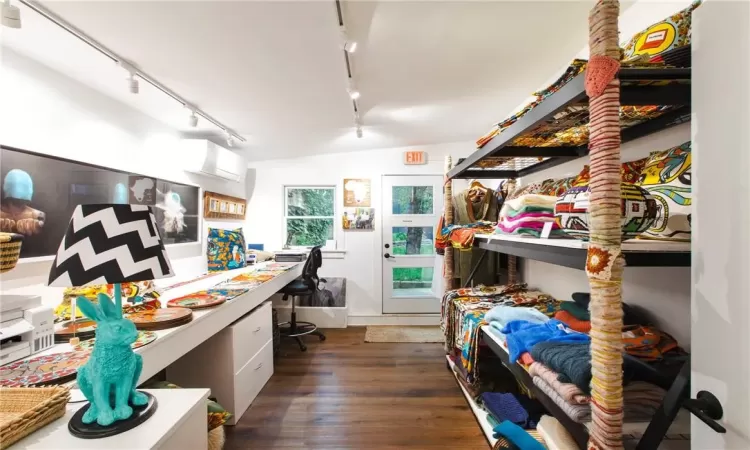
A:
[415,158]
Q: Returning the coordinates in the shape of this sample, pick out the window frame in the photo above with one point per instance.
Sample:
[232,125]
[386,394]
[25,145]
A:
[286,217]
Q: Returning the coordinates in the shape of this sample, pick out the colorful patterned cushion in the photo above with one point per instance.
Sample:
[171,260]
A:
[225,249]
[629,173]
[667,177]
[669,34]
[556,188]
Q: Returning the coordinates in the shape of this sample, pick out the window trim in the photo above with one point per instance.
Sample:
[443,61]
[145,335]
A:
[286,217]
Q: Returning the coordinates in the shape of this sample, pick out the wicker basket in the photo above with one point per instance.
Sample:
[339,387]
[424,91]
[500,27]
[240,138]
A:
[25,410]
[10,250]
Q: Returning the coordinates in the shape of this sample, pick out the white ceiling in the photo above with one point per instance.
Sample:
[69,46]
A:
[429,72]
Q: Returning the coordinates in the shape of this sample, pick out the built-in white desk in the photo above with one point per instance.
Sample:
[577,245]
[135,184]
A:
[173,343]
[179,423]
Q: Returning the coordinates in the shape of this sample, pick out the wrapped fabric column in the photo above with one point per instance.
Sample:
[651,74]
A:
[448,215]
[605,263]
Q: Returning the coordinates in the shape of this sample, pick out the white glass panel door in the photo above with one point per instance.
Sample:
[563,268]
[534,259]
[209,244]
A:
[411,269]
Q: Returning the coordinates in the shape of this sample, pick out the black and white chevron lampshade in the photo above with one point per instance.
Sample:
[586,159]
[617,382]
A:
[108,244]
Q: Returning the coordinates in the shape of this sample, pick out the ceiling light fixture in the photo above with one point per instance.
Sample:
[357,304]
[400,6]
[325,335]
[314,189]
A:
[11,15]
[132,76]
[193,119]
[230,138]
[12,19]
[346,44]
[352,89]
[359,131]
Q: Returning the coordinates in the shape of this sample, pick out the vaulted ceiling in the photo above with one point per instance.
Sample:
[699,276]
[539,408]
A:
[429,72]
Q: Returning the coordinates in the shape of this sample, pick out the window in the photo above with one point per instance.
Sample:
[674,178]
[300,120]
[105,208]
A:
[309,215]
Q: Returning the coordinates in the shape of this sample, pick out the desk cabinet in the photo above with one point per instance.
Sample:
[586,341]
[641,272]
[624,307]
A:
[235,363]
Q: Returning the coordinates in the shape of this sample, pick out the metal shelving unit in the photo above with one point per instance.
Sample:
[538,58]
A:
[666,87]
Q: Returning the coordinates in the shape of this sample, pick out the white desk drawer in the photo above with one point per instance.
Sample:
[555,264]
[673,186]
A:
[250,334]
[251,379]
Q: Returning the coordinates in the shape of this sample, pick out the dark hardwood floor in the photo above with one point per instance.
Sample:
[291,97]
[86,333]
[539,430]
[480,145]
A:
[346,394]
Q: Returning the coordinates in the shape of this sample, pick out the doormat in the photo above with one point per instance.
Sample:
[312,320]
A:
[399,333]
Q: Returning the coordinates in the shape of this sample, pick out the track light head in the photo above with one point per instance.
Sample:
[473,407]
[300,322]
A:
[10,16]
[230,138]
[346,44]
[359,131]
[354,95]
[132,78]
[133,82]
[193,120]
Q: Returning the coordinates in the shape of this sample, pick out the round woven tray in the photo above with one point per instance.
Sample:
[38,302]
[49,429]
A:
[10,250]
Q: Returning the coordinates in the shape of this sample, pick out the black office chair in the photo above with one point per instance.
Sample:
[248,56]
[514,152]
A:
[305,286]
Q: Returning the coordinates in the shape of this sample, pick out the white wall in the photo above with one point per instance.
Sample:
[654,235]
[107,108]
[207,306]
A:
[362,262]
[43,111]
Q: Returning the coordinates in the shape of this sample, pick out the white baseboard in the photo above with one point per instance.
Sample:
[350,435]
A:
[395,319]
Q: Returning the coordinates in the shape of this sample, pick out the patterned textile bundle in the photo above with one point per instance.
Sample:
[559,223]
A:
[463,311]
[527,214]
[575,68]
[461,236]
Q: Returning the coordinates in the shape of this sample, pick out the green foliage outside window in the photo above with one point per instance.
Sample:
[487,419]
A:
[310,216]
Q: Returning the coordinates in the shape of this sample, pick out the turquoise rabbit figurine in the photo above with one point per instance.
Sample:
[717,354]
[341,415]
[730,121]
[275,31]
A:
[109,378]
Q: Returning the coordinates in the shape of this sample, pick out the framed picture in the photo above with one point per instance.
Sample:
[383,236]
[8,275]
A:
[358,219]
[220,206]
[356,192]
[38,194]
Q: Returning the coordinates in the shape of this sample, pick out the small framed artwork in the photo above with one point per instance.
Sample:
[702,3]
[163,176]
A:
[220,206]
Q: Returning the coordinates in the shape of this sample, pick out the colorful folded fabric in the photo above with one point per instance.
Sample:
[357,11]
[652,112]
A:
[536,224]
[506,407]
[517,435]
[568,391]
[582,326]
[510,212]
[572,362]
[635,410]
[526,359]
[461,236]
[534,232]
[578,413]
[522,336]
[576,310]
[500,315]
[535,200]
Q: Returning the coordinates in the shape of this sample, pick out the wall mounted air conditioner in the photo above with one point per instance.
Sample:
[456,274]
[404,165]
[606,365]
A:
[207,158]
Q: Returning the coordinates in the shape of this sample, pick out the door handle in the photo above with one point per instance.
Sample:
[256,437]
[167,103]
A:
[388,255]
[707,408]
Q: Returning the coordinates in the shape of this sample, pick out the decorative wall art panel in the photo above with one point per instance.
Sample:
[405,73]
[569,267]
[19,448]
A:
[39,193]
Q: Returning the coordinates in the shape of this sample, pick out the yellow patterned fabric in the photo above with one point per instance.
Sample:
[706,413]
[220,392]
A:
[669,34]
[667,177]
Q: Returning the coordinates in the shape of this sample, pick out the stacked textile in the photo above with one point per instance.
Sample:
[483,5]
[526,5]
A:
[461,236]
[527,214]
[463,313]
[521,336]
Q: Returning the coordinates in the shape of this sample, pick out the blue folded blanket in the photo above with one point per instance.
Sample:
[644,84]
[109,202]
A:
[521,335]
[503,314]
[505,406]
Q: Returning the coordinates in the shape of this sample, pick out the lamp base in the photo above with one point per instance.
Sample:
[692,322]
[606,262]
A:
[95,431]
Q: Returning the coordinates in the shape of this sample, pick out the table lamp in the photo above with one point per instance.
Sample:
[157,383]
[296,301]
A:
[110,244]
